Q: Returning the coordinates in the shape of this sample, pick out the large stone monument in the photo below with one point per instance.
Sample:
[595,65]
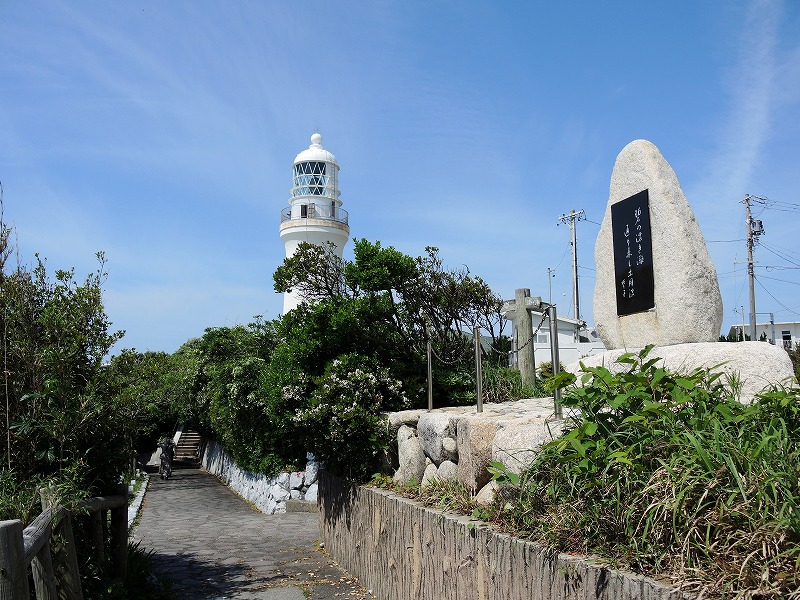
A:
[656,283]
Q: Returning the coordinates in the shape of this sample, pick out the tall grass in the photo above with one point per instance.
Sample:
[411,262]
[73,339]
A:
[669,475]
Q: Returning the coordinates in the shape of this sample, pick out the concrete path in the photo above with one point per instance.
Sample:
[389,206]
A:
[214,545]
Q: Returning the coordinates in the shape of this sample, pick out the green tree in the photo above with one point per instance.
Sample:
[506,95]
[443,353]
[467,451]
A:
[403,300]
[55,335]
[152,389]
[228,387]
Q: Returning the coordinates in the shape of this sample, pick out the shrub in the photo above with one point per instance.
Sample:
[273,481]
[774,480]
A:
[18,499]
[344,425]
[667,474]
[503,384]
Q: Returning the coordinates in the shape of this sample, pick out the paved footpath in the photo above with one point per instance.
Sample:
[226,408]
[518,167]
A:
[214,545]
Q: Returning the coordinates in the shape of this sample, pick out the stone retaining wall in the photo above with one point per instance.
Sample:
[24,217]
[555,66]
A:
[400,550]
[458,442]
[268,494]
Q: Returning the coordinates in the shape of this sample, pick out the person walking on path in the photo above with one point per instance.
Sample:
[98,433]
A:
[212,544]
[167,454]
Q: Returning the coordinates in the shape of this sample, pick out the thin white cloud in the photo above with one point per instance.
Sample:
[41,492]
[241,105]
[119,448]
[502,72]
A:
[751,86]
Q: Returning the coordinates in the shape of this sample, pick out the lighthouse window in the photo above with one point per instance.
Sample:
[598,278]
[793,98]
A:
[317,184]
[310,178]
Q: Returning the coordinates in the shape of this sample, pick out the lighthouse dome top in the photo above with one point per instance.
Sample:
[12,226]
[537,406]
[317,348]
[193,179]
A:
[316,152]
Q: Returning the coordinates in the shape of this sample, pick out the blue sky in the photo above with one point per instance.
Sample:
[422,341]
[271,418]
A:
[163,134]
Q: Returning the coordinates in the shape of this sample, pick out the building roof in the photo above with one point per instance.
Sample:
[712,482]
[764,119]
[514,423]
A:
[766,324]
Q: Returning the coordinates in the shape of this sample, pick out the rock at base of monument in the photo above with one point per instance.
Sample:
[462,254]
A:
[487,493]
[757,365]
[518,442]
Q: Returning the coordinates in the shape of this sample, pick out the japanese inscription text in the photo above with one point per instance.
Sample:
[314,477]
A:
[633,254]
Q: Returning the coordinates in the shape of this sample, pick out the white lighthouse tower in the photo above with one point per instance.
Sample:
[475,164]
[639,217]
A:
[315,213]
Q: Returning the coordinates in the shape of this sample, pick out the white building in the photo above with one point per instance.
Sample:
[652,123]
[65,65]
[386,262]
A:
[783,333]
[571,347]
[570,350]
[315,213]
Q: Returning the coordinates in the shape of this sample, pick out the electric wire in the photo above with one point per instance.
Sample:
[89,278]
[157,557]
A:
[779,255]
[780,206]
[776,279]
[786,308]
[563,255]
[785,250]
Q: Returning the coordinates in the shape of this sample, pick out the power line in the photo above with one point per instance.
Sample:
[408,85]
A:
[562,258]
[786,250]
[787,210]
[782,206]
[776,279]
[776,300]
[790,310]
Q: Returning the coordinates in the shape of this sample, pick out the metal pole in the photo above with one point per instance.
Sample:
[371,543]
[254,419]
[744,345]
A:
[515,349]
[551,313]
[430,378]
[550,275]
[750,271]
[742,307]
[772,322]
[478,368]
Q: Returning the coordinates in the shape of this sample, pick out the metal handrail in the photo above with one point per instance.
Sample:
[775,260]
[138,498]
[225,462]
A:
[316,211]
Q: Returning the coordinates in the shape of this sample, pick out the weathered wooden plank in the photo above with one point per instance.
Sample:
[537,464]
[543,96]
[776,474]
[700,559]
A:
[43,575]
[65,561]
[96,534]
[119,534]
[37,534]
[103,503]
[13,568]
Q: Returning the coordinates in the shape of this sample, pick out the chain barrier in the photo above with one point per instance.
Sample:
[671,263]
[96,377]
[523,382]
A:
[465,355]
[526,344]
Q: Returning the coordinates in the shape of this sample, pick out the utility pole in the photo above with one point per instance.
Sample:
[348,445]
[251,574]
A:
[742,322]
[550,274]
[572,217]
[754,230]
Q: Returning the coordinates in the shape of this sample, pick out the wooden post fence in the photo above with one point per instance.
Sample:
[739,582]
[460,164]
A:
[47,546]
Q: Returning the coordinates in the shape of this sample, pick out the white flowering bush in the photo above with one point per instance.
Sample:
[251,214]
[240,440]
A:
[344,422]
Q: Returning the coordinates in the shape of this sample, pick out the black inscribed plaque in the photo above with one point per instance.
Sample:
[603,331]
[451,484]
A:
[633,254]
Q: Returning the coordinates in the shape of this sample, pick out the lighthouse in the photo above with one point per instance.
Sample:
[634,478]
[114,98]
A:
[315,214]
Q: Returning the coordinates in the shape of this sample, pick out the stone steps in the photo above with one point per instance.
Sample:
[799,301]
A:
[293,506]
[188,449]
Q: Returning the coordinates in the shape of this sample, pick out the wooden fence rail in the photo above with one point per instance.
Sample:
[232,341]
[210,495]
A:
[47,546]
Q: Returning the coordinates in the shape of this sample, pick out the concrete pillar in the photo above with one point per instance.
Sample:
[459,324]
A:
[522,322]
